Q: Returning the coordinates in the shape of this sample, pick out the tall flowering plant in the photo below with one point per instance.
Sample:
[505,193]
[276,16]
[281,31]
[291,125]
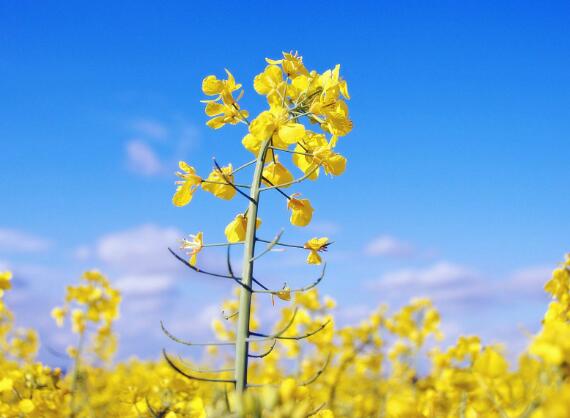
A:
[307,114]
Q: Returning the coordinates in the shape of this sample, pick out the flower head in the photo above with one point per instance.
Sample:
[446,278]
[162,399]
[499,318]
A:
[276,174]
[218,181]
[235,231]
[223,108]
[195,245]
[276,124]
[5,281]
[316,245]
[301,210]
[187,185]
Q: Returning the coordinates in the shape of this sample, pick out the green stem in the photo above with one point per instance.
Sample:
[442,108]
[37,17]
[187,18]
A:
[75,378]
[242,344]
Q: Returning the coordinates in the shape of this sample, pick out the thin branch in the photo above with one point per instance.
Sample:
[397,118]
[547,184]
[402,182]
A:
[265,179]
[230,316]
[226,343]
[237,189]
[301,289]
[318,373]
[305,383]
[291,151]
[222,244]
[299,180]
[266,353]
[270,246]
[245,186]
[316,410]
[295,337]
[244,118]
[282,244]
[183,342]
[209,273]
[229,262]
[241,167]
[202,379]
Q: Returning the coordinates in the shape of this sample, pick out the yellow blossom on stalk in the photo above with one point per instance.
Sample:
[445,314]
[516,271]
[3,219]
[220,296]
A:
[313,152]
[195,245]
[5,281]
[187,185]
[224,108]
[26,406]
[276,174]
[78,321]
[301,211]
[276,124]
[292,64]
[223,114]
[283,294]
[218,181]
[235,231]
[212,86]
[59,314]
[315,245]
[270,83]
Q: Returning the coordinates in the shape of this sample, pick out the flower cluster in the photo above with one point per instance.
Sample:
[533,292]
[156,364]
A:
[300,102]
[373,368]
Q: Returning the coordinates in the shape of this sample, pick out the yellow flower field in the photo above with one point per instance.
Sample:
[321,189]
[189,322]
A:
[391,365]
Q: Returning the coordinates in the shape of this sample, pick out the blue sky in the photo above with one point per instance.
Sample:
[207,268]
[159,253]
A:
[456,185]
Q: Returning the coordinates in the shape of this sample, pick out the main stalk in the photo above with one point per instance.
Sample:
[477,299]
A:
[242,345]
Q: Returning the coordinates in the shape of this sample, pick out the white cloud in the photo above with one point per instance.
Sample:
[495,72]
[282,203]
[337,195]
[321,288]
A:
[145,284]
[12,240]
[325,227]
[389,246]
[143,249]
[82,253]
[444,282]
[141,158]
[150,128]
[436,275]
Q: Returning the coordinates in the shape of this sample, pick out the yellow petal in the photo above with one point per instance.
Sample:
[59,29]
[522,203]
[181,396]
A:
[183,195]
[291,132]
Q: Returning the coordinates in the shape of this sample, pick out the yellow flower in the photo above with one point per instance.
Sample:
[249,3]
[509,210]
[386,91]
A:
[315,245]
[26,406]
[283,294]
[195,245]
[222,114]
[5,281]
[212,86]
[276,174]
[292,64]
[270,83]
[275,124]
[217,183]
[186,186]
[224,108]
[78,321]
[6,384]
[301,211]
[235,231]
[59,315]
[321,155]
[253,144]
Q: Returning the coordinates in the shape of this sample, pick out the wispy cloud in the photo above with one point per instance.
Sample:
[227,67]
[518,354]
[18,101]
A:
[150,128]
[389,246]
[145,284]
[142,159]
[142,249]
[325,227]
[12,240]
